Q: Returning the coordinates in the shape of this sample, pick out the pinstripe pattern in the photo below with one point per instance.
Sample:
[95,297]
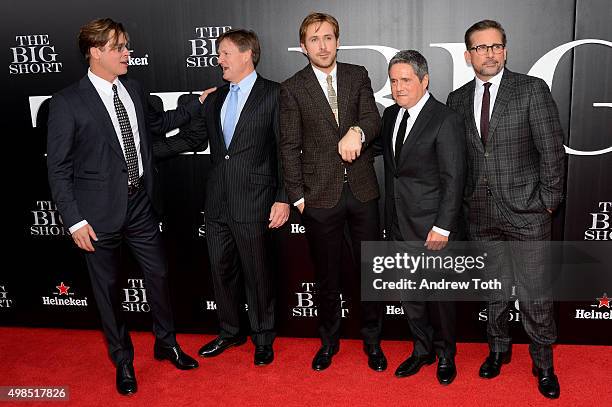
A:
[312,167]
[243,183]
[511,182]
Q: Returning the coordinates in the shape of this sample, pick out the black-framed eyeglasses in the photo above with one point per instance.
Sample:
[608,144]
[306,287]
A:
[484,49]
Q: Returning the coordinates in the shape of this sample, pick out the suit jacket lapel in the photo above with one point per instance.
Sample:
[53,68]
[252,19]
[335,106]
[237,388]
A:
[504,94]
[316,93]
[388,133]
[222,94]
[96,106]
[344,90]
[419,125]
[249,108]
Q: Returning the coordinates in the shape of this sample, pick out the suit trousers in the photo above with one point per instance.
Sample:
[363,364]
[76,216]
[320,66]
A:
[240,254]
[141,233]
[325,234]
[519,264]
[432,323]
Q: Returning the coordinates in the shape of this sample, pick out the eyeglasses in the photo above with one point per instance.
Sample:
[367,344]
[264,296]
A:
[484,49]
[118,47]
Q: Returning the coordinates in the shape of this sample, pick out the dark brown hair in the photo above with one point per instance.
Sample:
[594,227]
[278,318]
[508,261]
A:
[484,25]
[97,33]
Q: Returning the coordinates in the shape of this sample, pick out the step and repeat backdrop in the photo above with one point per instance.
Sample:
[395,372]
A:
[44,281]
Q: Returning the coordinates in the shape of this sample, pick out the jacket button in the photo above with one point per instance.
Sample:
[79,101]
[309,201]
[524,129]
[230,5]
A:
[486,154]
[227,157]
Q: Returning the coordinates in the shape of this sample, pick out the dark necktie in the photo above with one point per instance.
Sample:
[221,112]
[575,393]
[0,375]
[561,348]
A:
[484,114]
[129,148]
[401,133]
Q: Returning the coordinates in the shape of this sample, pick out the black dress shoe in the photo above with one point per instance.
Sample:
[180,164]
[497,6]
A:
[175,355]
[218,345]
[413,364]
[376,358]
[493,363]
[264,355]
[126,379]
[548,384]
[447,371]
[323,358]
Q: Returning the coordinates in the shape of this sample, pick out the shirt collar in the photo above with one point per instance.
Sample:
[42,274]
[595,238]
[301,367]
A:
[102,85]
[246,84]
[416,109]
[495,81]
[322,76]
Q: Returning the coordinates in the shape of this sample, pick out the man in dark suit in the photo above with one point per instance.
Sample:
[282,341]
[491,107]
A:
[424,154]
[328,120]
[515,181]
[245,196]
[101,176]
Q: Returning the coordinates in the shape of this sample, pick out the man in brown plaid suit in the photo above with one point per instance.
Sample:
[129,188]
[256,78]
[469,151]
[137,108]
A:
[328,120]
[515,181]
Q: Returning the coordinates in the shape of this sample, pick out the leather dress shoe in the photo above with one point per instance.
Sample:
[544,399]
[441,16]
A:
[264,355]
[376,358]
[413,364]
[447,371]
[218,345]
[323,358]
[493,363]
[126,379]
[175,355]
[548,384]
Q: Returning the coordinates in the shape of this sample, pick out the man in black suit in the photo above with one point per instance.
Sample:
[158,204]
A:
[245,195]
[328,121]
[101,177]
[424,155]
[515,179]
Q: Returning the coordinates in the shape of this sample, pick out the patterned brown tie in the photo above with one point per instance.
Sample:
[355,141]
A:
[484,114]
[333,98]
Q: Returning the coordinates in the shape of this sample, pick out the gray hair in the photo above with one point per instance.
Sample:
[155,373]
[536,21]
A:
[414,59]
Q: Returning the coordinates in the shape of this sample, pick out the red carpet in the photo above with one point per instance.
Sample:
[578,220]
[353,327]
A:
[77,359]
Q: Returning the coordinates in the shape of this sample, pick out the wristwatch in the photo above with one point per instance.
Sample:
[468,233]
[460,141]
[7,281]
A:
[358,130]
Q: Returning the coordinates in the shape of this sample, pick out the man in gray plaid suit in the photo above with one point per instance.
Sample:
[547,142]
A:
[514,183]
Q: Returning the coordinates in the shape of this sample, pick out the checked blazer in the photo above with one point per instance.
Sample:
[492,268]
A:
[312,166]
[523,164]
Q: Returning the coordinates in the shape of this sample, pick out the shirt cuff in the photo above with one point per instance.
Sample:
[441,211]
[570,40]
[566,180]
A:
[77,226]
[441,231]
[298,202]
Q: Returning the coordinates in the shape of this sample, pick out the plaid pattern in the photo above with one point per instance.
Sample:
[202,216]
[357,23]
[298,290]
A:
[312,167]
[510,184]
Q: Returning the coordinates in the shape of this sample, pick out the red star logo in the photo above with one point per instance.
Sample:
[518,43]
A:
[603,301]
[63,289]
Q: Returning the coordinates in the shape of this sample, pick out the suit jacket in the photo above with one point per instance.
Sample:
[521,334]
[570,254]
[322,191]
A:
[312,166]
[523,163]
[86,167]
[425,187]
[245,179]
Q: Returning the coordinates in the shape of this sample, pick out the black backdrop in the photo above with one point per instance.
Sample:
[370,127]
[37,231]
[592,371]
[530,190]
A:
[566,42]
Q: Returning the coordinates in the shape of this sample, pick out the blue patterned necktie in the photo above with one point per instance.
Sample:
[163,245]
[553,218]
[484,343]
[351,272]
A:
[229,122]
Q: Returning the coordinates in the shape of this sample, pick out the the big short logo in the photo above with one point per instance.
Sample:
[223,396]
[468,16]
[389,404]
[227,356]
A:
[203,48]
[64,296]
[46,220]
[514,314]
[33,54]
[135,296]
[305,305]
[600,227]
[5,301]
[599,310]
